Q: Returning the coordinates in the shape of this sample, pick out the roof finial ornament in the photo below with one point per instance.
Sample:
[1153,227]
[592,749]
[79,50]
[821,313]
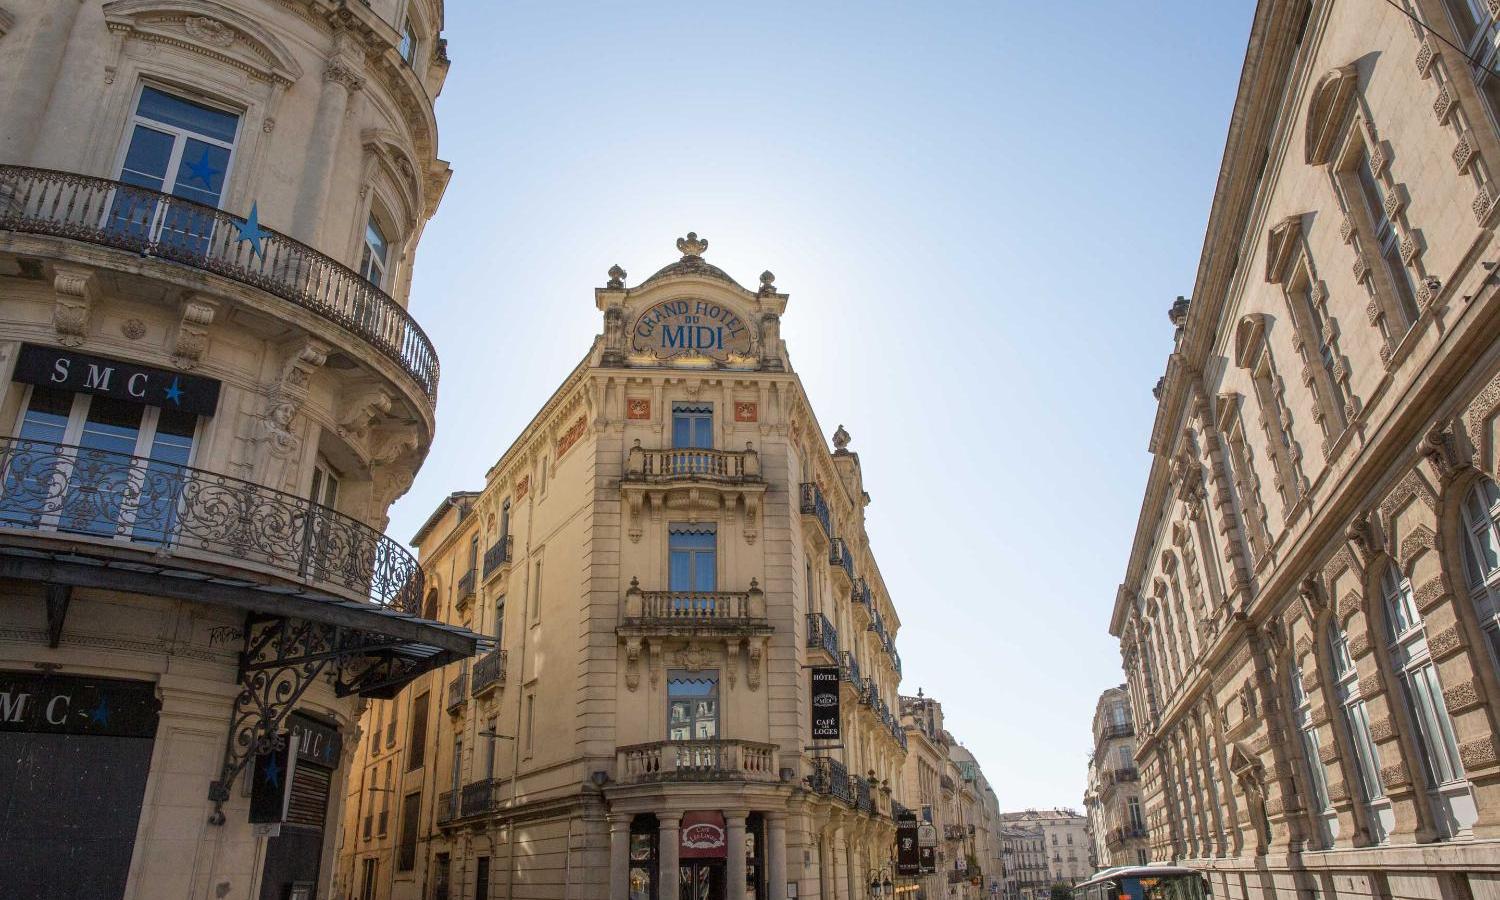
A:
[691,246]
[616,277]
[767,282]
[841,440]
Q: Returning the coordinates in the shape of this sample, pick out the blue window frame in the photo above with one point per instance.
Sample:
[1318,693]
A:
[693,558]
[693,425]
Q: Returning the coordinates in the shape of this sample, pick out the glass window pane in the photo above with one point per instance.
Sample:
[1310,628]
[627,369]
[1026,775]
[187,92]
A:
[47,415]
[187,115]
[200,174]
[112,425]
[147,157]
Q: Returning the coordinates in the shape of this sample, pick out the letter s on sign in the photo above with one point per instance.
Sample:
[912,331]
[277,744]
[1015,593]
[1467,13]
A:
[60,369]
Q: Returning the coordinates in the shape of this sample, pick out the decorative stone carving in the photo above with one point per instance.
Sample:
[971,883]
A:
[841,440]
[632,663]
[616,278]
[1420,540]
[208,31]
[1349,604]
[1431,593]
[1478,753]
[767,282]
[277,444]
[191,343]
[1395,776]
[757,655]
[361,410]
[692,245]
[133,329]
[1443,104]
[76,289]
[1382,729]
[1465,151]
[1444,643]
[1370,685]
[1461,696]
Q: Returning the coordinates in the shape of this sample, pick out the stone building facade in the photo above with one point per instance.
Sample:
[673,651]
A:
[1023,872]
[212,391]
[947,790]
[1116,813]
[659,558]
[1067,856]
[1308,618]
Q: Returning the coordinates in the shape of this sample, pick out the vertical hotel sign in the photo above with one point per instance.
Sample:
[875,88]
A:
[825,703]
[908,852]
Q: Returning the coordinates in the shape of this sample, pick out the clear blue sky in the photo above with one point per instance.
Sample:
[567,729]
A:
[981,213]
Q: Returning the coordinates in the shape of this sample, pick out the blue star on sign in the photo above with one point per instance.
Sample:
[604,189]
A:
[272,772]
[100,714]
[250,230]
[174,393]
[203,170]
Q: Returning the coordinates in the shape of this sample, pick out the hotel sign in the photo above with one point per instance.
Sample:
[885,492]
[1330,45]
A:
[679,327]
[908,853]
[825,703]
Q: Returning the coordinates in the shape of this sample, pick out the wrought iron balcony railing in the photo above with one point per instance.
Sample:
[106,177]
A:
[840,558]
[822,635]
[708,760]
[862,799]
[466,587]
[813,504]
[849,669]
[188,513]
[489,672]
[945,782]
[830,778]
[861,596]
[1123,774]
[458,692]
[478,798]
[691,608]
[447,807]
[115,214]
[692,464]
[1121,729]
[498,555]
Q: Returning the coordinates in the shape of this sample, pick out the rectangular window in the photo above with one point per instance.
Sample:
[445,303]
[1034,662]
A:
[482,878]
[536,593]
[441,877]
[530,724]
[367,879]
[140,450]
[692,705]
[692,558]
[500,622]
[179,147]
[1387,238]
[416,748]
[408,46]
[489,754]
[692,425]
[372,262]
[457,782]
[406,851]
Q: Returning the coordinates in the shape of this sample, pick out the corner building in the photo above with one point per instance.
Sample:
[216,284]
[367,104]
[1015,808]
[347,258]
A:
[1112,802]
[211,391]
[657,558]
[1308,618]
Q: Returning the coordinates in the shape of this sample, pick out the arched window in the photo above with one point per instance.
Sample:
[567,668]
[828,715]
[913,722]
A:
[1318,802]
[1481,551]
[1356,721]
[1448,790]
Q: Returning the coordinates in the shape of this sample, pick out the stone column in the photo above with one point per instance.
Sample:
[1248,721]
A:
[776,855]
[734,865]
[40,38]
[666,855]
[340,78]
[619,857]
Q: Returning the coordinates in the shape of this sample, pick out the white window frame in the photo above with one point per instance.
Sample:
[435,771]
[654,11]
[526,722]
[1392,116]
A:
[179,135]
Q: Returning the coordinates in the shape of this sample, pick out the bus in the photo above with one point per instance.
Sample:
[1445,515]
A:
[1144,883]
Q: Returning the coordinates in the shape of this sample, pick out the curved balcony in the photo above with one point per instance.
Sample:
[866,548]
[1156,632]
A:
[706,760]
[125,217]
[822,635]
[123,521]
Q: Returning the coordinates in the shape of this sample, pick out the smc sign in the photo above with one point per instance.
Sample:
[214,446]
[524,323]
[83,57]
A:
[679,327]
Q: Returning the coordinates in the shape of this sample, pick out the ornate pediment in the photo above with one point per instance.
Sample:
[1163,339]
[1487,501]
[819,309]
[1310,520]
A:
[1327,112]
[1249,335]
[1281,246]
[209,28]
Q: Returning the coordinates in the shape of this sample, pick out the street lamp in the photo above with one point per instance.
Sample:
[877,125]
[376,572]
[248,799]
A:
[880,884]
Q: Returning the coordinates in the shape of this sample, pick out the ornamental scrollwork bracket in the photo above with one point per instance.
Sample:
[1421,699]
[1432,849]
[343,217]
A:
[282,657]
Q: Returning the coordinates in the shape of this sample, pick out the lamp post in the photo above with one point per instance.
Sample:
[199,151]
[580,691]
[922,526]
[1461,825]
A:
[881,887]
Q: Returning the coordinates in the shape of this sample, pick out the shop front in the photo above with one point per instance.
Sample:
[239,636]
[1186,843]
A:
[714,853]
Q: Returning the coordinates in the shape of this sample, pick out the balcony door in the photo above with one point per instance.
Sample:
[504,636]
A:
[692,568]
[96,465]
[692,708]
[179,147]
